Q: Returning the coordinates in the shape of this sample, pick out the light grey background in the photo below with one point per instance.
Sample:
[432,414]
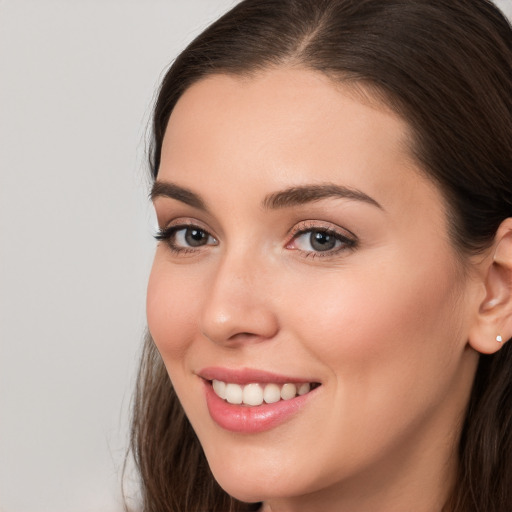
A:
[76,82]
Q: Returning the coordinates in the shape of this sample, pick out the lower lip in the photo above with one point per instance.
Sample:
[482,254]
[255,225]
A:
[251,420]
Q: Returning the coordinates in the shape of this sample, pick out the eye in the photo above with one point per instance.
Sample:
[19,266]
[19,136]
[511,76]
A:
[185,238]
[191,237]
[316,240]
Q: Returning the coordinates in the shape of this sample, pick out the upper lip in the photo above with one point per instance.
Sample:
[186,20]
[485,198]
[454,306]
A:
[248,376]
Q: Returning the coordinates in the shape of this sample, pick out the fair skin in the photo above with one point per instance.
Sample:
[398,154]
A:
[378,312]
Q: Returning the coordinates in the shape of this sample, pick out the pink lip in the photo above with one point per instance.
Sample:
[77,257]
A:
[244,376]
[245,419]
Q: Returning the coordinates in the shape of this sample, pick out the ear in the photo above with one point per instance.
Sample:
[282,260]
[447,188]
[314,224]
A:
[493,323]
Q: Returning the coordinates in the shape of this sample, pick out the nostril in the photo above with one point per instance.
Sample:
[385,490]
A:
[243,336]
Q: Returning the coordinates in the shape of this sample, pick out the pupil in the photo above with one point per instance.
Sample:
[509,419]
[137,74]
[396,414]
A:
[322,241]
[195,237]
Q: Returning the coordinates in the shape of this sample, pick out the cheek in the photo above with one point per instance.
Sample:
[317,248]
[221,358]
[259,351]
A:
[389,348]
[172,308]
[381,321]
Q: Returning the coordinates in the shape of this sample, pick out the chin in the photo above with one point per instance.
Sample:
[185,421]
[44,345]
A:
[251,492]
[250,479]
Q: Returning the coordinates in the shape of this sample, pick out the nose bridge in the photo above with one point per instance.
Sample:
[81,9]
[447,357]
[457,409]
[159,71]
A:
[237,306]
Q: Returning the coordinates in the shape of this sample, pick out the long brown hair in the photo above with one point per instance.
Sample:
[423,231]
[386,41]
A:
[445,66]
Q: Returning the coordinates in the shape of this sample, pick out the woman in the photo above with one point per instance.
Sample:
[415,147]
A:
[331,294]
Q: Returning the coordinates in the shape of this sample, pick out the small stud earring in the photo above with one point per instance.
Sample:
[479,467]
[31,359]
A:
[499,339]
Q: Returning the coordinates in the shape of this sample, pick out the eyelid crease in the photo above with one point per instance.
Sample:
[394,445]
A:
[186,222]
[319,225]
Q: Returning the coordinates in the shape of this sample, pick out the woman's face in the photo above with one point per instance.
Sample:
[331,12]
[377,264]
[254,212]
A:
[303,249]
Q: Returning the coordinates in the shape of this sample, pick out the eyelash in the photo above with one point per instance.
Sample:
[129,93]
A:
[346,242]
[168,235]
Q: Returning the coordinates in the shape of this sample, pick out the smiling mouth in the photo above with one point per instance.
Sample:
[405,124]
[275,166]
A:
[255,394]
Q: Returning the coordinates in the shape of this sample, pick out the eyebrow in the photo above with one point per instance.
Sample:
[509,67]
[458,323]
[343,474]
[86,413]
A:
[289,197]
[309,193]
[173,191]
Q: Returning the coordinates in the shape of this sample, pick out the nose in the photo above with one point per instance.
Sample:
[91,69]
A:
[238,306]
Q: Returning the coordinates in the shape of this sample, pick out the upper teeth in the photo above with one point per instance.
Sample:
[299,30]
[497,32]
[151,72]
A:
[256,394]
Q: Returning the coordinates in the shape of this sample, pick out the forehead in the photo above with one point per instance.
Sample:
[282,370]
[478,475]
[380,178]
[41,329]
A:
[288,99]
[285,125]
